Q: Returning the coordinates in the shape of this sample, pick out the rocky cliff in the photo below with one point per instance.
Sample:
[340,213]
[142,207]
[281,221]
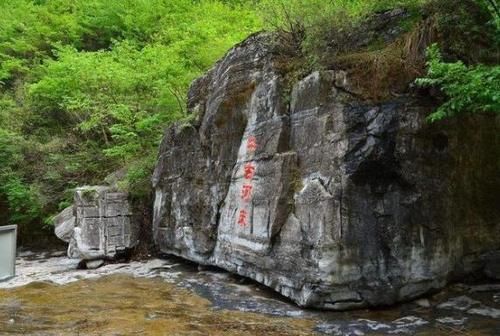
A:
[332,200]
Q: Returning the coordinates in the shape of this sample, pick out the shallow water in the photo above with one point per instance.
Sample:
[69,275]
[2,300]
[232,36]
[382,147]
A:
[171,297]
[124,305]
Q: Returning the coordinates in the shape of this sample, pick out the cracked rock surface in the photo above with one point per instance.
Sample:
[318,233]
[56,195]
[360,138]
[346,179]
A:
[331,200]
[98,225]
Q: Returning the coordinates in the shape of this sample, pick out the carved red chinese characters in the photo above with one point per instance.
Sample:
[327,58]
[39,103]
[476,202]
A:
[242,217]
[247,188]
[246,192]
[249,171]
[251,144]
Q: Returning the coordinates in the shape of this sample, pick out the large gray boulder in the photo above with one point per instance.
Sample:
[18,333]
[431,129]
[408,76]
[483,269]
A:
[331,200]
[98,225]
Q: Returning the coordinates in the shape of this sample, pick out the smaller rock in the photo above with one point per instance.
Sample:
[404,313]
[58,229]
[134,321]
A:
[410,321]
[151,316]
[329,328]
[496,297]
[485,311]
[485,288]
[94,264]
[374,325]
[452,321]
[424,303]
[461,303]
[26,254]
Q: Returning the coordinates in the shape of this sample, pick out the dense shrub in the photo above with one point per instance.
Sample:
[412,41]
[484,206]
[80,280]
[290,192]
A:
[468,89]
[310,23]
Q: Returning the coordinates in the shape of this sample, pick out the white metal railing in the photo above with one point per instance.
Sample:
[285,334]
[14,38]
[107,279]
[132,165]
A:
[8,236]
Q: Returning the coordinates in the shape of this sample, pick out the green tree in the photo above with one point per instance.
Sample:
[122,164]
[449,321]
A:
[87,87]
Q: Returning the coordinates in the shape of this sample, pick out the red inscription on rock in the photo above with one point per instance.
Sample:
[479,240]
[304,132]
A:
[249,171]
[246,192]
[251,144]
[242,218]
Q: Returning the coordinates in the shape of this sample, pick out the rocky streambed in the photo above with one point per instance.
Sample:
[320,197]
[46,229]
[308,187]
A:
[50,296]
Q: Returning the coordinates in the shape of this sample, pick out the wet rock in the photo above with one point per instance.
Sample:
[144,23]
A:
[327,198]
[151,316]
[404,325]
[374,325]
[25,254]
[485,311]
[496,297]
[452,321]
[424,303]
[409,322]
[330,329]
[461,303]
[484,288]
[98,225]
[94,264]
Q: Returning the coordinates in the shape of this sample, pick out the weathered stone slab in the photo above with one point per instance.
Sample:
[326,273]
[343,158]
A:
[99,224]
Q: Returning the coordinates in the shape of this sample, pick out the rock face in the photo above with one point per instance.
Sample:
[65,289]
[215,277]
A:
[331,200]
[98,225]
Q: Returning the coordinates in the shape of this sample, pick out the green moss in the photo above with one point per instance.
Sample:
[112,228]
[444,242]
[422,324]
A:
[409,23]
[89,194]
[296,180]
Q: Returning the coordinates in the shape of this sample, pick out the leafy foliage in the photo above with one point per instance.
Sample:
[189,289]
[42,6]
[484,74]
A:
[22,198]
[310,22]
[87,87]
[464,65]
[469,89]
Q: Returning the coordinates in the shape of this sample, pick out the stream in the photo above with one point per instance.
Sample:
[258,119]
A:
[169,296]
